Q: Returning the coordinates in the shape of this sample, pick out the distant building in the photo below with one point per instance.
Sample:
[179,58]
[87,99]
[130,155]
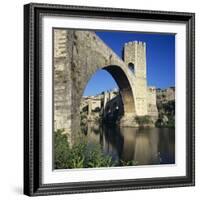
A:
[151,102]
[93,106]
[165,95]
[110,103]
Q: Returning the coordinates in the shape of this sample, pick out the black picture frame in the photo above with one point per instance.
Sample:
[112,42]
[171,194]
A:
[33,108]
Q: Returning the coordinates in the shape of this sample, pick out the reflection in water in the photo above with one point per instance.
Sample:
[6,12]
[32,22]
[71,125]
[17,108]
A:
[146,146]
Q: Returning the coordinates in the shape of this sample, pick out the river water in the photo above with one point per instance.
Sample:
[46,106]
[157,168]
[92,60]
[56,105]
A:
[144,146]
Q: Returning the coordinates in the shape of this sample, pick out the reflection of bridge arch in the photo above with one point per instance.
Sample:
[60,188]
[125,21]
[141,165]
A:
[77,56]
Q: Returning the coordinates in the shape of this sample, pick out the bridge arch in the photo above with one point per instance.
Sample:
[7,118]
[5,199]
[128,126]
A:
[124,86]
[122,80]
[77,56]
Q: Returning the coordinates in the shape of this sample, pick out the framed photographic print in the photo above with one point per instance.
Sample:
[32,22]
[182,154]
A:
[108,99]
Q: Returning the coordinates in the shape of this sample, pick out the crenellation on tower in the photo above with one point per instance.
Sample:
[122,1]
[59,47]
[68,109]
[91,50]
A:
[135,53]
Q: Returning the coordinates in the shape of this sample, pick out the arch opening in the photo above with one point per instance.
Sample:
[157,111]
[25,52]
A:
[115,100]
[124,87]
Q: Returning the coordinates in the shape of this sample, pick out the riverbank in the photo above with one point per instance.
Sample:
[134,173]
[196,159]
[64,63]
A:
[82,154]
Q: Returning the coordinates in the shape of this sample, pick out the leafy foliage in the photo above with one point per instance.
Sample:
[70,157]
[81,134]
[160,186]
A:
[166,114]
[129,163]
[80,155]
[143,120]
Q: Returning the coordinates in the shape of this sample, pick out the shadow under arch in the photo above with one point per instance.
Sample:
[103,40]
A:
[124,87]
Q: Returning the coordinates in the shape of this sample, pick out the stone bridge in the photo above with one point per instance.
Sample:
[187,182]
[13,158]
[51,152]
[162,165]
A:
[77,56]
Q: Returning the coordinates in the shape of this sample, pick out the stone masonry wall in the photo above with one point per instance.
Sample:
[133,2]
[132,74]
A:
[135,53]
[151,101]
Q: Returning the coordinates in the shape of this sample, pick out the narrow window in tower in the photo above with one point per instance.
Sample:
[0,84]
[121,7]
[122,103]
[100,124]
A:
[131,67]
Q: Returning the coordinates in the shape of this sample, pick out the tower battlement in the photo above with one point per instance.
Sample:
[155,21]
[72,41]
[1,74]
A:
[135,43]
[135,56]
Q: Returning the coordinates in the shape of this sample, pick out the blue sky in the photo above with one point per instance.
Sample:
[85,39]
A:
[160,50]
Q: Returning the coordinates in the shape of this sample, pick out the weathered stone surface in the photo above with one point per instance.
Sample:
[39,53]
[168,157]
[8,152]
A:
[77,56]
[165,95]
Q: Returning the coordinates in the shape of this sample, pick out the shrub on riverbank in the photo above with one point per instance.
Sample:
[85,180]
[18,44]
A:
[80,155]
[166,114]
[165,121]
[144,121]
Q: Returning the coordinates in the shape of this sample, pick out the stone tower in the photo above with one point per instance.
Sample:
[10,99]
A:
[135,59]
